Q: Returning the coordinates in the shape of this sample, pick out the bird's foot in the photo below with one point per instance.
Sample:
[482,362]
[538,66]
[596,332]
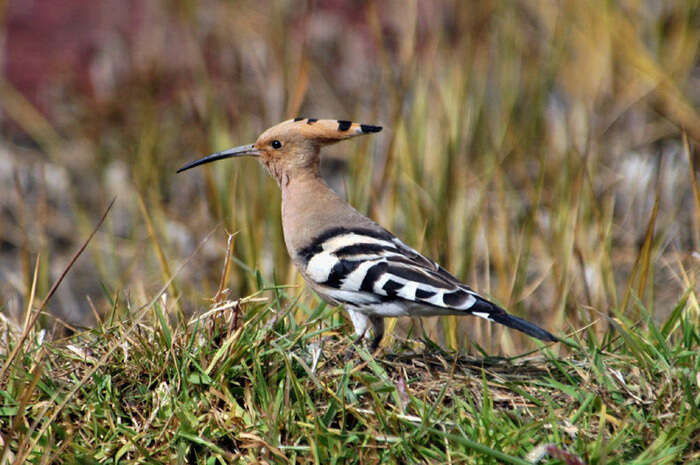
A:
[372,347]
[351,351]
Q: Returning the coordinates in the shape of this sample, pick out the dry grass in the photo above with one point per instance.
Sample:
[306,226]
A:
[543,151]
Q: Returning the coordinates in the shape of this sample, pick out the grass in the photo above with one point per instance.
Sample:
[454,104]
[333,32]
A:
[543,152]
[246,383]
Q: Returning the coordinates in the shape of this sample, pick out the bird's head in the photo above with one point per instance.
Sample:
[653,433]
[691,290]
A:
[292,146]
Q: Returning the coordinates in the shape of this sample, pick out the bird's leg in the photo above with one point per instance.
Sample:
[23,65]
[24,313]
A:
[378,327]
[361,323]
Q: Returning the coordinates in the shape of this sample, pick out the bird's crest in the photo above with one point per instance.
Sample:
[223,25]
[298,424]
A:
[325,130]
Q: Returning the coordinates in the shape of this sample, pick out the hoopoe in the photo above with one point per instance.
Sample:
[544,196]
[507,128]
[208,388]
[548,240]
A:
[346,257]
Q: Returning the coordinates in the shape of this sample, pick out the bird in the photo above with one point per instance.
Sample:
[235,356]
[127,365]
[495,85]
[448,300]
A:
[344,256]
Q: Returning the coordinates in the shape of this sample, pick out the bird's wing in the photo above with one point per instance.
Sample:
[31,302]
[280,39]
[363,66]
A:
[362,263]
[369,266]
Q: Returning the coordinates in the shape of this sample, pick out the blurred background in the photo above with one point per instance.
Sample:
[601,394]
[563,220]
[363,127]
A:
[535,148]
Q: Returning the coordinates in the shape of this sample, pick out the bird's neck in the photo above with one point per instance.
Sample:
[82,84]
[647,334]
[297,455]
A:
[309,206]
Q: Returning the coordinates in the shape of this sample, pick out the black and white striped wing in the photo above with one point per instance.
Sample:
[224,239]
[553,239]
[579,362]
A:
[370,268]
[364,266]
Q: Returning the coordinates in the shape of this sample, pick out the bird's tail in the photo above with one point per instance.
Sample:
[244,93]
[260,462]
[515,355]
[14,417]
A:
[495,313]
[522,325]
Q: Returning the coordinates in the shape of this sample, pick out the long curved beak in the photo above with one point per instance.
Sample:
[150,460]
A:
[241,151]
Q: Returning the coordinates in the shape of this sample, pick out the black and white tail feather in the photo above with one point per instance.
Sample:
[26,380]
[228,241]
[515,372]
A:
[375,274]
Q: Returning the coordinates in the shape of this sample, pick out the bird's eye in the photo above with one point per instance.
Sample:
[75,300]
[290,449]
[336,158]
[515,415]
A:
[276,144]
